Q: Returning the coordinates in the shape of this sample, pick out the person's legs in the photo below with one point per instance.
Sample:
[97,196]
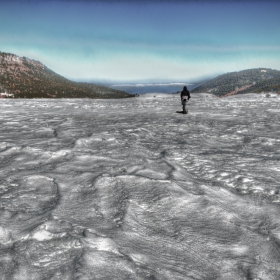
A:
[184,102]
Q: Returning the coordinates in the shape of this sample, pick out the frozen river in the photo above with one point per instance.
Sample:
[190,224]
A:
[128,189]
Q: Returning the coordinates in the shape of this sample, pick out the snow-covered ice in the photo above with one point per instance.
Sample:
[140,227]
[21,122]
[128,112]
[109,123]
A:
[128,189]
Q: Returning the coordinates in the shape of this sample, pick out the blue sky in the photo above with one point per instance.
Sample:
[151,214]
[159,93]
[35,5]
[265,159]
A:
[125,41]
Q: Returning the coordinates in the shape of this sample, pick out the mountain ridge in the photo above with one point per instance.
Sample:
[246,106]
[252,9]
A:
[21,77]
[250,80]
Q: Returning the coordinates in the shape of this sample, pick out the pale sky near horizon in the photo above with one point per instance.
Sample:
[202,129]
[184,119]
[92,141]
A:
[124,41]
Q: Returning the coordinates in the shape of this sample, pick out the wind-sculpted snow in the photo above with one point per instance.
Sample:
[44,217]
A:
[128,189]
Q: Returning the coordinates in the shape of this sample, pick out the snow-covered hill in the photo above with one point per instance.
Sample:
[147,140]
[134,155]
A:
[128,189]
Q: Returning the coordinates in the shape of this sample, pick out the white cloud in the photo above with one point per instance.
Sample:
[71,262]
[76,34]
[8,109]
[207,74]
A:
[143,68]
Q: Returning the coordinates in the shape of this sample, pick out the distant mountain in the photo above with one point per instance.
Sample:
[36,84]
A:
[252,80]
[21,77]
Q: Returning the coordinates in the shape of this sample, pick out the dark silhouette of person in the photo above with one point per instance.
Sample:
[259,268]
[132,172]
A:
[185,96]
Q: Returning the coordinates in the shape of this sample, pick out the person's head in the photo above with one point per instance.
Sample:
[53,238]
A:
[185,88]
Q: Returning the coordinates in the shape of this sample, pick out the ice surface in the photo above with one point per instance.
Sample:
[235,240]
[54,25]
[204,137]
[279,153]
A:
[128,189]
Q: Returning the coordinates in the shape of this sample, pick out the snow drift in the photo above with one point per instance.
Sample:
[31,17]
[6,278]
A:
[128,189]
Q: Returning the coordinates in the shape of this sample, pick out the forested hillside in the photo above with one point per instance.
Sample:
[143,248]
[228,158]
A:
[21,77]
[252,80]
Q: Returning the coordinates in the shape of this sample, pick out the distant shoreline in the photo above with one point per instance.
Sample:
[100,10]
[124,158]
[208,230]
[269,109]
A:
[140,88]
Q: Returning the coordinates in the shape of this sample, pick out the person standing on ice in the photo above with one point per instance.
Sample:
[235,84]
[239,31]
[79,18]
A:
[185,96]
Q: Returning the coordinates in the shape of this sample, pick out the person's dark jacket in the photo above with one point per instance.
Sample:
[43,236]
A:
[185,92]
